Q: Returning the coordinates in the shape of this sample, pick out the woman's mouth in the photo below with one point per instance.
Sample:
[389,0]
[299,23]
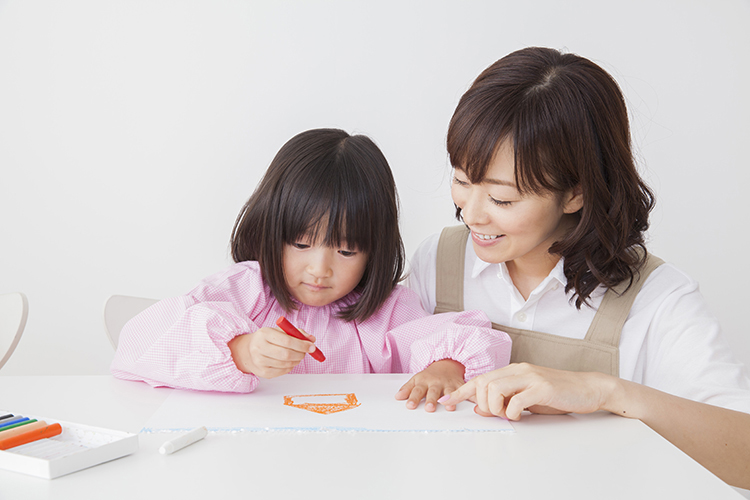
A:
[485,239]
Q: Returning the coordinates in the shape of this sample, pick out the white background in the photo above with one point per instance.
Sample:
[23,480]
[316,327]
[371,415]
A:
[131,132]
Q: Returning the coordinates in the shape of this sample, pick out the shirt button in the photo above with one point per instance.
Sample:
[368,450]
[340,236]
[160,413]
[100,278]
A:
[521,317]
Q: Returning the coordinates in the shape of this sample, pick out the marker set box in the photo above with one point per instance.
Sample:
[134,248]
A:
[77,447]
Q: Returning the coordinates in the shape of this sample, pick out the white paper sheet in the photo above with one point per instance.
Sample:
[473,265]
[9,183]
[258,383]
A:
[354,403]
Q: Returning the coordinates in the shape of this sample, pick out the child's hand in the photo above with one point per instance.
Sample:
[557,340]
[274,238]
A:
[441,377]
[269,352]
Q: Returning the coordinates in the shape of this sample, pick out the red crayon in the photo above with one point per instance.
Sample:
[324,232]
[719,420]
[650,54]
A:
[292,331]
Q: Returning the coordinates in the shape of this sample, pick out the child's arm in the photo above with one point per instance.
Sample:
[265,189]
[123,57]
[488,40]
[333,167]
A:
[182,342]
[402,337]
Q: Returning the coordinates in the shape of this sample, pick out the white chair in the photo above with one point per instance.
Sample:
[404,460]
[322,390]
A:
[14,309]
[118,310]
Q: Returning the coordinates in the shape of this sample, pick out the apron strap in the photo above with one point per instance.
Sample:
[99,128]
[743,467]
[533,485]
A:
[615,306]
[449,280]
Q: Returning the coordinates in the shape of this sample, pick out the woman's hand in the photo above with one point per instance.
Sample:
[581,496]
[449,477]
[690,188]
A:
[269,352]
[441,377]
[508,391]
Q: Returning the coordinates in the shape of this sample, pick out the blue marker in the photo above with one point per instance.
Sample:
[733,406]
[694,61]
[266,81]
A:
[14,421]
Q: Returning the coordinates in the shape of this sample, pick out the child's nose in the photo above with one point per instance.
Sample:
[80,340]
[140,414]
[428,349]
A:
[319,265]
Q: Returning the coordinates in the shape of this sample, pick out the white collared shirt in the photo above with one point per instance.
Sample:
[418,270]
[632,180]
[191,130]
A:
[670,340]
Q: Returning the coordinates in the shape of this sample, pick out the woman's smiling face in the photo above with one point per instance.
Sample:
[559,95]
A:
[506,225]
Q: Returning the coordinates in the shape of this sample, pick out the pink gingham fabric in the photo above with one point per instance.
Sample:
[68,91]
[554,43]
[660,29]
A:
[181,342]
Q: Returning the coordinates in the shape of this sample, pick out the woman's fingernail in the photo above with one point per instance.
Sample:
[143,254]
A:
[444,398]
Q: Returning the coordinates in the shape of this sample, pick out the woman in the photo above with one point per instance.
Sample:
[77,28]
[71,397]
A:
[555,212]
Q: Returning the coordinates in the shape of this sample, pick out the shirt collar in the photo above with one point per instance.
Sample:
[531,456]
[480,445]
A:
[557,273]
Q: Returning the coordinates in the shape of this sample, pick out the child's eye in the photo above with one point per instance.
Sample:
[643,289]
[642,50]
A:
[300,246]
[500,202]
[347,253]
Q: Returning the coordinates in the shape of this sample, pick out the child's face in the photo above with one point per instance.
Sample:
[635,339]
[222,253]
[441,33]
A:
[506,226]
[317,275]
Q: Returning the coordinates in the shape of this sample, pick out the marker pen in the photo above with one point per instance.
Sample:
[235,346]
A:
[16,420]
[28,437]
[292,331]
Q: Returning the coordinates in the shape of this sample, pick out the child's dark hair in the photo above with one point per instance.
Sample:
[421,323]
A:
[327,183]
[567,120]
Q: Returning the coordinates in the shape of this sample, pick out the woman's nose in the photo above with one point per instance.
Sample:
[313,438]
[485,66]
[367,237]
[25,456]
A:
[472,209]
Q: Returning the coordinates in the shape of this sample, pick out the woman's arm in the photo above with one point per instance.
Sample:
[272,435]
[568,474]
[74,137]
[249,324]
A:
[717,438]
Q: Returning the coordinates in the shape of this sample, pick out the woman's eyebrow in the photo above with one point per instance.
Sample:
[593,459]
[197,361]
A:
[498,182]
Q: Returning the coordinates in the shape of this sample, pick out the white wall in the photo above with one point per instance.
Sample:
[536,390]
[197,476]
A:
[131,132]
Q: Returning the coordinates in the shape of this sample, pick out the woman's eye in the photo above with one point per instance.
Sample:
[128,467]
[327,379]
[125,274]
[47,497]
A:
[458,181]
[500,202]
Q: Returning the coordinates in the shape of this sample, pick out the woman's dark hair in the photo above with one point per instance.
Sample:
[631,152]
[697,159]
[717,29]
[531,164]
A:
[326,183]
[567,120]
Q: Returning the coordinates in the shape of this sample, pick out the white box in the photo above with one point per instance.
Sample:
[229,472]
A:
[78,447]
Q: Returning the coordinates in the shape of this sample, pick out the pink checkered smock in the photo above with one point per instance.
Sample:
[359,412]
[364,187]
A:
[181,342]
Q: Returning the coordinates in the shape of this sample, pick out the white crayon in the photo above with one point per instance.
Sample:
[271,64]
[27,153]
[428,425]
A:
[180,442]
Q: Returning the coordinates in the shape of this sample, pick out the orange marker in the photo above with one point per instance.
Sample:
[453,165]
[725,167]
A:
[28,437]
[292,331]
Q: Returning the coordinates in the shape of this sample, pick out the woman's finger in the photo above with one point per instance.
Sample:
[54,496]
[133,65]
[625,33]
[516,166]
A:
[463,393]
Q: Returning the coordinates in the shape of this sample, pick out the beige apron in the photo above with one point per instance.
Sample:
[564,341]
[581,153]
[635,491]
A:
[598,351]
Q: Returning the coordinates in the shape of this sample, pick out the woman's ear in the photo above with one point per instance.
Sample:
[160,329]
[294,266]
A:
[573,200]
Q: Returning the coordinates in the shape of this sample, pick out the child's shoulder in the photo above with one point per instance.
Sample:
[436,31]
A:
[240,284]
[241,276]
[248,270]
[402,298]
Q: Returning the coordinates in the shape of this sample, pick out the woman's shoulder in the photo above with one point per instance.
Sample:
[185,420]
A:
[668,277]
[665,286]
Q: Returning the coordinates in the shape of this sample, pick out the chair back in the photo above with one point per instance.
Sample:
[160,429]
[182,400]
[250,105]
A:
[14,309]
[118,310]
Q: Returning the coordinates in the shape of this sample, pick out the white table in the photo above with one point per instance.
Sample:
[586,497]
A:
[569,456]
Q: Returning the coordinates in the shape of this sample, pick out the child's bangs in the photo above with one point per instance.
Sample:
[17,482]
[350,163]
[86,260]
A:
[340,219]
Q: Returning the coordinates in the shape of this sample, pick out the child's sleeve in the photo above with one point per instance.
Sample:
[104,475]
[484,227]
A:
[181,342]
[402,337]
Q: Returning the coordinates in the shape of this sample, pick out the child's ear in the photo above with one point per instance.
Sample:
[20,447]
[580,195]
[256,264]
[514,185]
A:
[573,200]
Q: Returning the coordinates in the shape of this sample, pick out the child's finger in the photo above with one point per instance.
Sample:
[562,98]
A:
[285,341]
[309,336]
[283,354]
[405,390]
[417,394]
[433,393]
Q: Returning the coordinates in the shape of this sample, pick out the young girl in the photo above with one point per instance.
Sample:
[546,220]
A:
[317,242]
[554,214]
